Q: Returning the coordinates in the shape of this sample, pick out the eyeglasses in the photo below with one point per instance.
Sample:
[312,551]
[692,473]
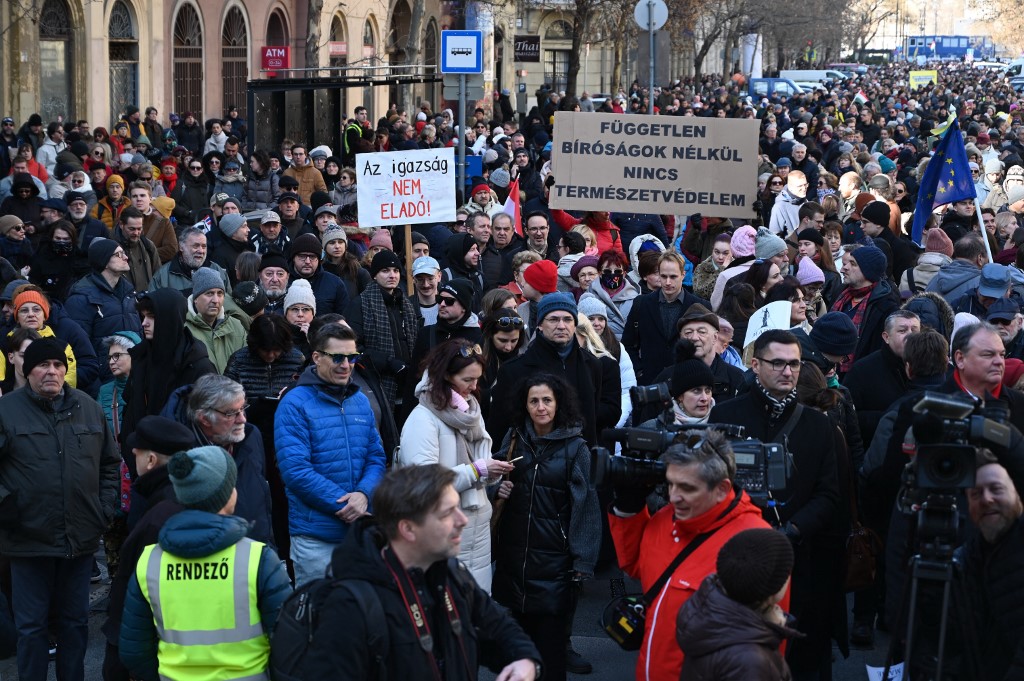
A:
[233,414]
[338,357]
[214,162]
[510,322]
[116,357]
[471,350]
[307,256]
[445,300]
[779,365]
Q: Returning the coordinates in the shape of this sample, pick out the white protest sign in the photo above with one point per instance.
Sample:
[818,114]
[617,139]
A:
[771,316]
[406,187]
[878,673]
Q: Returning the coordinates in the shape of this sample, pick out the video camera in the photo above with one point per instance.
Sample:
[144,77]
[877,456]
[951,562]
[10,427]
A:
[762,469]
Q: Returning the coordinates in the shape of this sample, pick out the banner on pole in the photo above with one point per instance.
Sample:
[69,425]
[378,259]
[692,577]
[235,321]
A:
[406,187]
[655,164]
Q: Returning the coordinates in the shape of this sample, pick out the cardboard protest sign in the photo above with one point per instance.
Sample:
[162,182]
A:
[406,187]
[655,164]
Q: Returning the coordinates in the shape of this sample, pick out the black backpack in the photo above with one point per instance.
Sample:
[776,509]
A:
[299,618]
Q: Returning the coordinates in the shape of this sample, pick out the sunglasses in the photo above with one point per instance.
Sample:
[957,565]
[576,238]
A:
[510,322]
[195,167]
[446,300]
[338,357]
[471,350]
[611,273]
[776,184]
[98,153]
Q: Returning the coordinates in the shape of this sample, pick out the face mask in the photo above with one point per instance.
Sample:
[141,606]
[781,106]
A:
[62,247]
[611,282]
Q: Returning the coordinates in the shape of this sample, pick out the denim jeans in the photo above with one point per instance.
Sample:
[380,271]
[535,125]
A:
[310,558]
[35,583]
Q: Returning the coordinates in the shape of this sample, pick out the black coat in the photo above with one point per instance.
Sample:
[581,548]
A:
[904,252]
[329,290]
[811,502]
[875,382]
[882,302]
[650,345]
[56,273]
[340,648]
[582,370]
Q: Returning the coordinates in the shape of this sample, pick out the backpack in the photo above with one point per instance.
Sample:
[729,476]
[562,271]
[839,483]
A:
[299,618]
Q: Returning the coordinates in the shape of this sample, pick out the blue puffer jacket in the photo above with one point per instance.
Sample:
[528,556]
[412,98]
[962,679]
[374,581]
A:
[327,446]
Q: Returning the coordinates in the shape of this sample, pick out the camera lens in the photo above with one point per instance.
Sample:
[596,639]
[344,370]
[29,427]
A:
[946,469]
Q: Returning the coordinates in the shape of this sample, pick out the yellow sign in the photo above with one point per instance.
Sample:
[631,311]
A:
[922,78]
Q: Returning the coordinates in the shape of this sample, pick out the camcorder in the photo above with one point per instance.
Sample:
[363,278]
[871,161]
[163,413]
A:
[762,469]
[947,429]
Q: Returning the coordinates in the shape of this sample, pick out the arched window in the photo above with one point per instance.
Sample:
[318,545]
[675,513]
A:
[123,52]
[55,49]
[276,34]
[188,61]
[558,30]
[430,58]
[338,47]
[369,54]
[234,52]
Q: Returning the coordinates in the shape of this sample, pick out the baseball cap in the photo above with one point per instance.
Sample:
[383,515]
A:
[425,265]
[270,216]
[995,278]
[1003,309]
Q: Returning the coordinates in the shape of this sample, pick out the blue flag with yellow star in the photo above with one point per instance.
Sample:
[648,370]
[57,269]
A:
[946,179]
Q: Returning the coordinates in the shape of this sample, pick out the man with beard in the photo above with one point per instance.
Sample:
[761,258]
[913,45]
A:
[270,236]
[88,228]
[426,274]
[222,335]
[216,413]
[192,252]
[785,213]
[993,560]
[455,319]
[274,281]
[330,291]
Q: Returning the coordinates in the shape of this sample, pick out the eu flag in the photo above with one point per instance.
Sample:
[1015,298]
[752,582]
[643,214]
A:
[947,179]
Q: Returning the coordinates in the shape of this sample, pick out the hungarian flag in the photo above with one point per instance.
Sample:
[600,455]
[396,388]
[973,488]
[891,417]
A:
[511,207]
[860,97]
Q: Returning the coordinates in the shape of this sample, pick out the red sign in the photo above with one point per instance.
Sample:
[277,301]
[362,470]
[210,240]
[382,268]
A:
[275,57]
[337,49]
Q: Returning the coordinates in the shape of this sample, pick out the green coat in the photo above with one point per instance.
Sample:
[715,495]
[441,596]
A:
[221,341]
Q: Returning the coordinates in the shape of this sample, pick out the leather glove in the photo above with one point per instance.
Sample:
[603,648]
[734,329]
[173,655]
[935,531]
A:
[696,219]
[630,499]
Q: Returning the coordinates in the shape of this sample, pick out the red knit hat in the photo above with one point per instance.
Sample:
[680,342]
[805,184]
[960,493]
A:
[543,276]
[482,187]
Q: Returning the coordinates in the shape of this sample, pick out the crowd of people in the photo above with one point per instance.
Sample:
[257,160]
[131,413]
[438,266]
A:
[211,367]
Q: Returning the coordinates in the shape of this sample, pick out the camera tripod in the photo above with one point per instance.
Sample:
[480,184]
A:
[935,565]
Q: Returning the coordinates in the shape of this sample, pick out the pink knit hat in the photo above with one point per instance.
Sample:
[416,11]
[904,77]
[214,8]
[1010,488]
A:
[809,273]
[382,238]
[937,241]
[742,243]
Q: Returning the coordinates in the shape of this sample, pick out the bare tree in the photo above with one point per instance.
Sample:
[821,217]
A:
[314,10]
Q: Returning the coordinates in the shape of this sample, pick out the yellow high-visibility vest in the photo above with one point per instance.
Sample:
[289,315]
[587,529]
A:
[206,613]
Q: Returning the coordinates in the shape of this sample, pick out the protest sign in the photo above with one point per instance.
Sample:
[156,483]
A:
[655,164]
[406,187]
[922,78]
[771,316]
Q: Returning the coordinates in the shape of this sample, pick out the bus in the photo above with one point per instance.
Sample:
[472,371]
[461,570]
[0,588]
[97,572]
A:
[948,47]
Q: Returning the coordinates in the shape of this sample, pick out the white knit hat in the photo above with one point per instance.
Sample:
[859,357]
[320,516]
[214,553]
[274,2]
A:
[300,292]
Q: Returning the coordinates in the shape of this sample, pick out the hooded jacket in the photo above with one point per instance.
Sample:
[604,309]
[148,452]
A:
[160,366]
[785,213]
[928,265]
[618,305]
[195,534]
[309,178]
[955,279]
[327,446]
[221,340]
[727,641]
[645,546]
[191,195]
[634,255]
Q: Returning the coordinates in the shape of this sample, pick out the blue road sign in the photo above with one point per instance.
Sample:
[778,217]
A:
[462,52]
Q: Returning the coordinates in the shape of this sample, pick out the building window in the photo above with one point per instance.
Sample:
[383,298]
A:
[369,57]
[338,47]
[430,54]
[188,61]
[276,35]
[55,46]
[556,68]
[234,52]
[123,52]
[559,30]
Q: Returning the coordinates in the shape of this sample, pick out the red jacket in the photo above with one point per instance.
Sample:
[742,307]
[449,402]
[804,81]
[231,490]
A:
[607,233]
[646,545]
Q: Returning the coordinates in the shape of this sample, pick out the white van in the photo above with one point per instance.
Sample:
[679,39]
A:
[813,75]
[1013,69]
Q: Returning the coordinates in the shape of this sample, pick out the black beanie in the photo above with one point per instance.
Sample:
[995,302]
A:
[462,291]
[689,372]
[42,350]
[100,252]
[318,199]
[384,259]
[811,234]
[754,565]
